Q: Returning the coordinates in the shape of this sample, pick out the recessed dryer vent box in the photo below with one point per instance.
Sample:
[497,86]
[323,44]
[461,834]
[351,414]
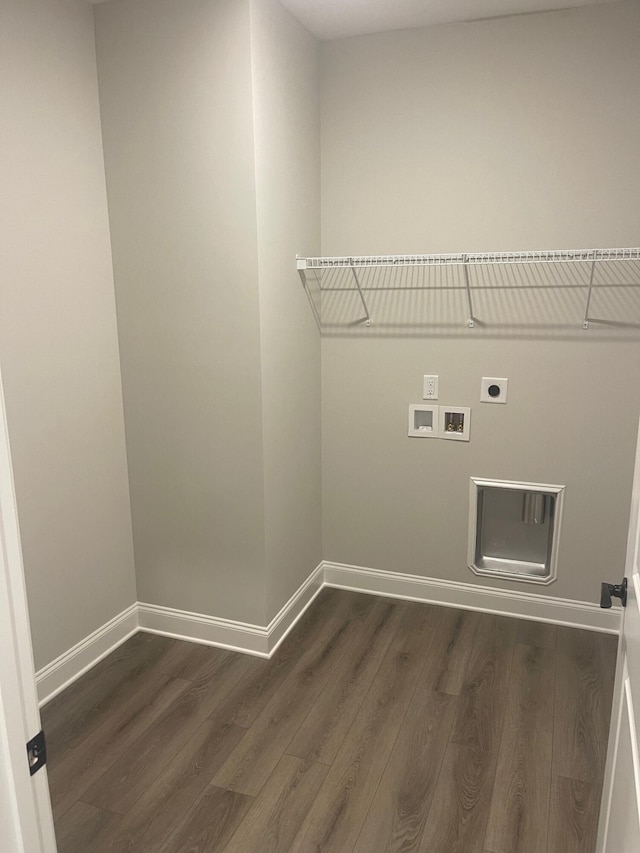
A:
[514,530]
[455,422]
[423,421]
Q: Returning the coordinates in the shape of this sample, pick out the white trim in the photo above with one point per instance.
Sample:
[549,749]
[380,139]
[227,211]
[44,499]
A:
[631,722]
[26,803]
[200,628]
[229,634]
[291,612]
[264,641]
[615,725]
[522,605]
[194,627]
[61,672]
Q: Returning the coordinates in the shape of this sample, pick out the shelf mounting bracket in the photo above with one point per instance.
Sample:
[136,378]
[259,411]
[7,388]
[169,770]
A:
[585,322]
[367,316]
[472,320]
[301,264]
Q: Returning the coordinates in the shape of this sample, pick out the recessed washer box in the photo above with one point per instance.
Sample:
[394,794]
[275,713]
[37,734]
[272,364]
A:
[514,529]
[423,421]
[455,422]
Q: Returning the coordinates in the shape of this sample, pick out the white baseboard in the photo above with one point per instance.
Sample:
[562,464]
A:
[301,599]
[226,633]
[522,605]
[200,628]
[194,627]
[263,641]
[61,672]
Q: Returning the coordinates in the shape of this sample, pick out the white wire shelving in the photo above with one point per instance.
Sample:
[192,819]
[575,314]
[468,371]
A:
[585,270]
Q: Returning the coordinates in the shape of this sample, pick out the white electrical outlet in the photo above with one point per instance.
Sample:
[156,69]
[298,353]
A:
[430,388]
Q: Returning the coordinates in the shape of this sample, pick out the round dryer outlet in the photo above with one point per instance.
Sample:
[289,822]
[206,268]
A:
[493,390]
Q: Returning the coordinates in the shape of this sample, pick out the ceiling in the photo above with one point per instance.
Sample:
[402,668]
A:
[330,19]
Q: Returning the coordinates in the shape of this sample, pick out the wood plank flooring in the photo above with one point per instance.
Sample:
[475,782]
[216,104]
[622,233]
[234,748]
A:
[379,726]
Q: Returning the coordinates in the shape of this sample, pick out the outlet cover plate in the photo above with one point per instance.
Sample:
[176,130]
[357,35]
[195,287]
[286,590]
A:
[488,394]
[430,387]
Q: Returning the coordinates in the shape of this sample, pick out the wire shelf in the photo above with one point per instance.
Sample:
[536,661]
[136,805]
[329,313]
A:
[555,256]
[365,277]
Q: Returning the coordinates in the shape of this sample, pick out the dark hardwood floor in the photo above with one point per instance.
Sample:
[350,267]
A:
[379,725]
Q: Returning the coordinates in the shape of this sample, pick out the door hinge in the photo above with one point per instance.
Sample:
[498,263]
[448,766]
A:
[37,753]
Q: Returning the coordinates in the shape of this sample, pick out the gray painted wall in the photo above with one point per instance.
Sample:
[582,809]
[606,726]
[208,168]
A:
[58,339]
[500,135]
[285,63]
[175,94]
[483,136]
[210,114]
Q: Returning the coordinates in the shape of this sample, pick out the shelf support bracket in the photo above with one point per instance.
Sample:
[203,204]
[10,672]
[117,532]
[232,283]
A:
[367,316]
[472,320]
[301,264]
[585,322]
